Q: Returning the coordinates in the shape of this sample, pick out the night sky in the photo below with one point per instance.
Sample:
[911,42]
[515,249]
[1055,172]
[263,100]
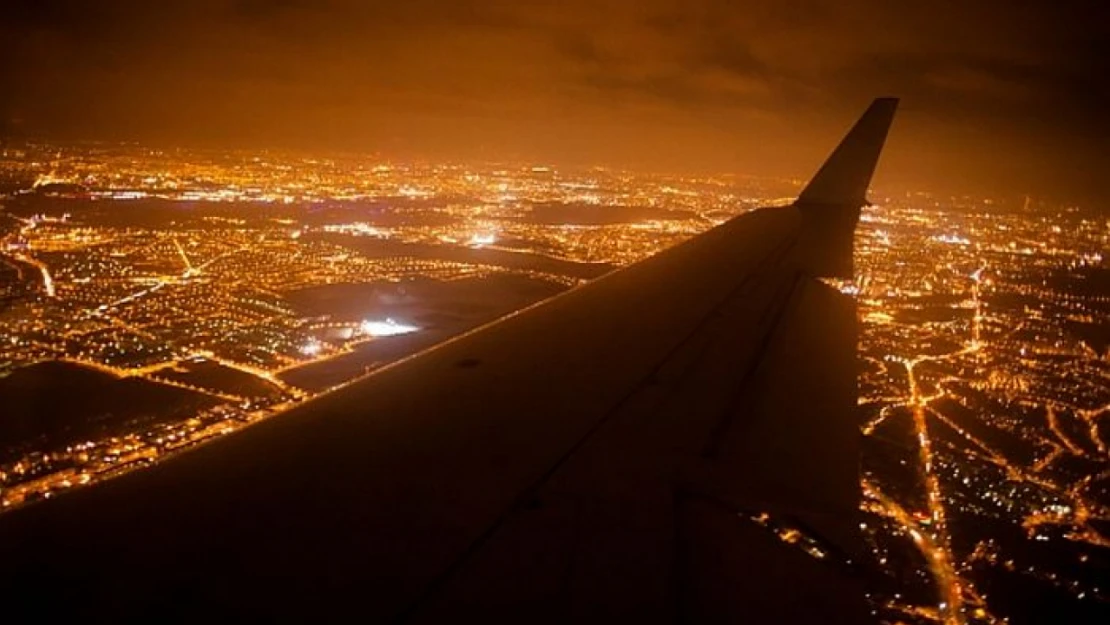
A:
[997,95]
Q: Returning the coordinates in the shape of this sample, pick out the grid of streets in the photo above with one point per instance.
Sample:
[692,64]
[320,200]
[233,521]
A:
[202,287]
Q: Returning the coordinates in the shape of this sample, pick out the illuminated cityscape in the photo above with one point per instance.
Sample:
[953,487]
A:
[985,348]
[195,292]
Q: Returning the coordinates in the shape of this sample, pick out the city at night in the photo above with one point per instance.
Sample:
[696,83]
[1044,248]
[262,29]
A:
[563,312]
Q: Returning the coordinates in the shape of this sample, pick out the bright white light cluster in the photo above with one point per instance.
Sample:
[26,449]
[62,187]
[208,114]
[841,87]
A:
[951,239]
[388,327]
[482,239]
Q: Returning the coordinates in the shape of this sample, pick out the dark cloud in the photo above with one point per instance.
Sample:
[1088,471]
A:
[995,92]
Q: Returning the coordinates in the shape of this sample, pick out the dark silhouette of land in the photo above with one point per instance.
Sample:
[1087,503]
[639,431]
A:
[53,404]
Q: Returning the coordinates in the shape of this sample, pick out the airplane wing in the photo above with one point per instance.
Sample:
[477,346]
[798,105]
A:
[675,441]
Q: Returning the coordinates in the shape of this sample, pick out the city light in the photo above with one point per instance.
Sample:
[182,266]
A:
[482,239]
[389,327]
[982,385]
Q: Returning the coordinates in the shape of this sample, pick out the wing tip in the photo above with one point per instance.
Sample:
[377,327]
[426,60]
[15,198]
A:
[830,204]
[845,176]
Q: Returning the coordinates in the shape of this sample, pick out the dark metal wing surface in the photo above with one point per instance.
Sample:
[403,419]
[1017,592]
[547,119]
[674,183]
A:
[643,448]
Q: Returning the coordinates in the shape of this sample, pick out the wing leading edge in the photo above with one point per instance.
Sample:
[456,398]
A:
[631,449]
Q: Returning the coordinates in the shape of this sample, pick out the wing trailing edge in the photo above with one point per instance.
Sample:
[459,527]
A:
[830,204]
